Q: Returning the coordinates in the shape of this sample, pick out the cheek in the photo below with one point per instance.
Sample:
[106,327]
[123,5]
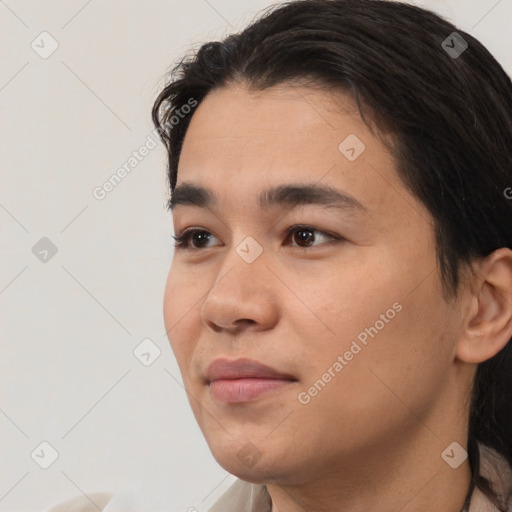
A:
[391,370]
[373,317]
[179,308]
[170,302]
[410,358]
[346,302]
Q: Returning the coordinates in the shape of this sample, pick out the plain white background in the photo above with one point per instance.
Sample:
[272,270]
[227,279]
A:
[70,324]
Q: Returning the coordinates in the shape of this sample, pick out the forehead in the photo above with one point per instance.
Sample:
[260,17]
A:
[240,143]
[284,114]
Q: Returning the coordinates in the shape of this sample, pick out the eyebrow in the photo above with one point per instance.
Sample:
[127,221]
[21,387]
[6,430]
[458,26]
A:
[289,195]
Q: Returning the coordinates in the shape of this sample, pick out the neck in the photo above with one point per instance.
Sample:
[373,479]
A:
[402,476]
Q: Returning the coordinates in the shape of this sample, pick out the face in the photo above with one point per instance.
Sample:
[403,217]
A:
[347,307]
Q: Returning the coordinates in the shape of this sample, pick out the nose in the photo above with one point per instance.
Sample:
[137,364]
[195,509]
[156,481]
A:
[244,296]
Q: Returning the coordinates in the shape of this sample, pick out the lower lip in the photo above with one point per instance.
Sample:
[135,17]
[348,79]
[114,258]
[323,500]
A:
[245,390]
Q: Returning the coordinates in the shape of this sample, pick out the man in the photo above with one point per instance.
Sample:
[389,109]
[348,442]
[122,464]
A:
[340,298]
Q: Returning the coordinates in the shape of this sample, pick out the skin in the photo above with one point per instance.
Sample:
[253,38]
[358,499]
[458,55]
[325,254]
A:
[372,438]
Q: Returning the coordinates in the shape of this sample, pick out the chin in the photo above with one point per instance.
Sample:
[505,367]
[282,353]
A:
[260,473]
[247,462]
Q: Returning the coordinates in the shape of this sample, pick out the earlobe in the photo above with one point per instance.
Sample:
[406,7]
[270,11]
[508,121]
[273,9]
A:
[488,322]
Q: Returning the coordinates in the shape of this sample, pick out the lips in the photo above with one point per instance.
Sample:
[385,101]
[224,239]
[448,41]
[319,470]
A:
[244,380]
[223,369]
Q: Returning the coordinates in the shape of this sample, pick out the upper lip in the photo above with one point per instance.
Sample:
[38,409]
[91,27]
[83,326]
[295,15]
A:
[242,369]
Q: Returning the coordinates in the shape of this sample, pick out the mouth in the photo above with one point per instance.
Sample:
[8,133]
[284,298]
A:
[244,380]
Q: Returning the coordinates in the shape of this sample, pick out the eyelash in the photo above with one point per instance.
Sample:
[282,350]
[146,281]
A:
[183,241]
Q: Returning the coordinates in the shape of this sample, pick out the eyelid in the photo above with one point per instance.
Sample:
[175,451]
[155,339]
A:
[182,241]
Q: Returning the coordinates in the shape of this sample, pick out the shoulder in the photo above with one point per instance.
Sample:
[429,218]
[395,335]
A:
[91,503]
[495,468]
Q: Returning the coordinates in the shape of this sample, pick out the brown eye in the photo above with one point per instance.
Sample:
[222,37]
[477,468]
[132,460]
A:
[197,236]
[305,237]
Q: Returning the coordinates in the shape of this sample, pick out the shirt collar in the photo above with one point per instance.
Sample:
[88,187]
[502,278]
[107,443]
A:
[243,496]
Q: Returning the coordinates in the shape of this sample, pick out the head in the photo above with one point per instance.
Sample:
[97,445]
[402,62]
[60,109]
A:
[400,286]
